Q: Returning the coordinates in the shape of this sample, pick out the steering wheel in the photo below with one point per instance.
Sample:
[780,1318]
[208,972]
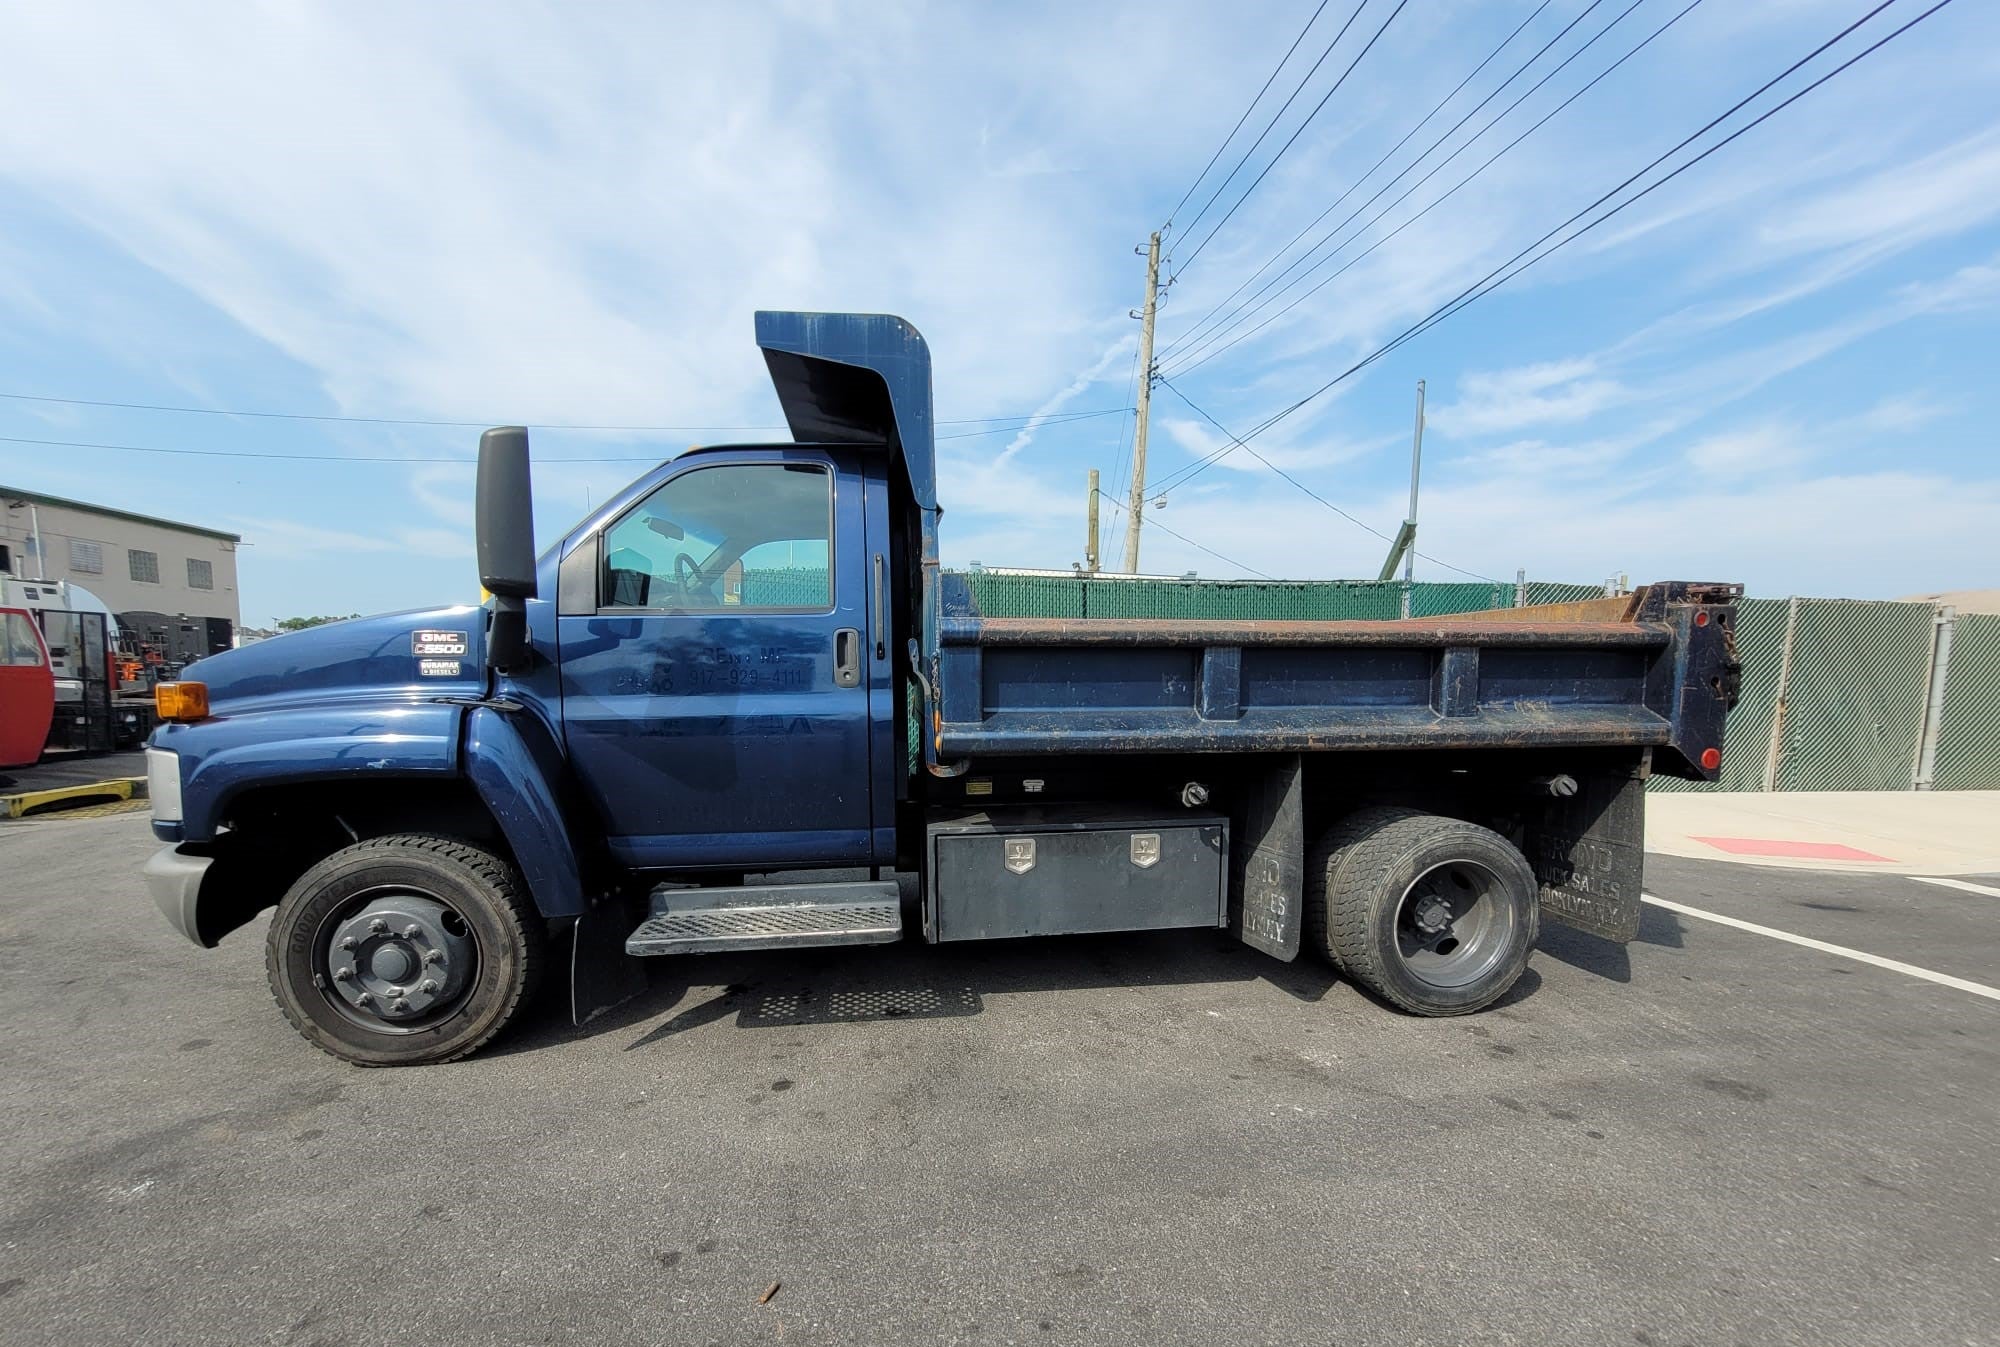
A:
[684,568]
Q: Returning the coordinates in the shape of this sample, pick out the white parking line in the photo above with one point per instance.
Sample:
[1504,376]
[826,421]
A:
[1965,884]
[1860,956]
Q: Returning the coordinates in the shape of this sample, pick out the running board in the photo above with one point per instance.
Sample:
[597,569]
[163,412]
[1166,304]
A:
[786,916]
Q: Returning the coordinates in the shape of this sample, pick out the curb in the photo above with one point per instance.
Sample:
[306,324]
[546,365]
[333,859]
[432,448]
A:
[119,788]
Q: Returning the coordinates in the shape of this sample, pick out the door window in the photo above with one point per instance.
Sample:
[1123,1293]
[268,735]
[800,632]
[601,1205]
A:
[736,537]
[19,645]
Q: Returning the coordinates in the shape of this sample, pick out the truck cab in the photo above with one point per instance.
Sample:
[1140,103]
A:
[724,707]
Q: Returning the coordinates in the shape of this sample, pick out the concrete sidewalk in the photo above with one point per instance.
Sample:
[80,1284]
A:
[1894,832]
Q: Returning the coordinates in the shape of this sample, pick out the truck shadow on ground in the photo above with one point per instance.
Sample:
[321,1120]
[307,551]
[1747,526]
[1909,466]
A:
[789,988]
[793,988]
[1602,957]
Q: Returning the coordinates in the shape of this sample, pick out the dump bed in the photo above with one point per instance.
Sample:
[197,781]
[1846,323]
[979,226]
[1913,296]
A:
[1656,668]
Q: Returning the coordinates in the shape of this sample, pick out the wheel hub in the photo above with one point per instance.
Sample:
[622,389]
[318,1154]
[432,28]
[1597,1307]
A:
[401,957]
[1454,924]
[1432,915]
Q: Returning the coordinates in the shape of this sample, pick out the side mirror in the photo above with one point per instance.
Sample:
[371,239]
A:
[505,515]
[505,522]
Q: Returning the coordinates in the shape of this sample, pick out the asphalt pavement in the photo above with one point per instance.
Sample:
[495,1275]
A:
[1709,1136]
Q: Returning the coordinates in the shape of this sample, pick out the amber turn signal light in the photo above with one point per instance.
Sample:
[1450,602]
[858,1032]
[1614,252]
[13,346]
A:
[181,701]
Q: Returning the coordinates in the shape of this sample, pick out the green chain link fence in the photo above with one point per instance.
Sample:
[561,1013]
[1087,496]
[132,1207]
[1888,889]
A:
[1855,705]
[1855,693]
[1968,741]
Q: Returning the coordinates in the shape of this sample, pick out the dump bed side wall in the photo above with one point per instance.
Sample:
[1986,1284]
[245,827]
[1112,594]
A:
[1648,677]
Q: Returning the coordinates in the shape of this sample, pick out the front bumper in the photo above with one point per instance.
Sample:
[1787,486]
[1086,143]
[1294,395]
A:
[174,878]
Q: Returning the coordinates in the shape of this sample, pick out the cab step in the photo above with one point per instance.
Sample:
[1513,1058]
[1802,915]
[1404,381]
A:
[709,921]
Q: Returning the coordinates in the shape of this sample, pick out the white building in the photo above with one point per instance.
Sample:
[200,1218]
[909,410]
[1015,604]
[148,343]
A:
[172,584]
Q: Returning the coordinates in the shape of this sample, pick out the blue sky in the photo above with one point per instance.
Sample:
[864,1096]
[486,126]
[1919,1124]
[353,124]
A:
[1778,368]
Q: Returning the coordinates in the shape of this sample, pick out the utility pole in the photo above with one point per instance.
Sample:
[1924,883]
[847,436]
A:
[1090,538]
[1416,471]
[1137,508]
[1404,546]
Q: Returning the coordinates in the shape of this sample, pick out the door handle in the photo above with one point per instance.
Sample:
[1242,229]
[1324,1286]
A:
[847,658]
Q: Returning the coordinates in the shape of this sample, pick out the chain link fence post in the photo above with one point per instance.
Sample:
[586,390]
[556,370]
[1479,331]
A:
[1925,772]
[1777,748]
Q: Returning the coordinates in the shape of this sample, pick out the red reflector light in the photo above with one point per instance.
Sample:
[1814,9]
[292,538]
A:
[1711,758]
[1701,617]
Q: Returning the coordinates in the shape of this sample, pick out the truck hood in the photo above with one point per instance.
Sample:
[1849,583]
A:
[419,654]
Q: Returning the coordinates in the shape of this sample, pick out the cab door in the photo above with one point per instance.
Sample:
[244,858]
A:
[27,689]
[715,693]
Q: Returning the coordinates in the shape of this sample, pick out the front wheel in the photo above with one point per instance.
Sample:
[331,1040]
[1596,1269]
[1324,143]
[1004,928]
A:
[403,950]
[1435,915]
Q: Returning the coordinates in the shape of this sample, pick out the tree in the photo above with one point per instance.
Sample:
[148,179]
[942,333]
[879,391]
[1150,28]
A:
[301,623]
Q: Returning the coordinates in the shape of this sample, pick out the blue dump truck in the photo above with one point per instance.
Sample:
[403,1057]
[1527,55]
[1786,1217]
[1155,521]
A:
[750,666]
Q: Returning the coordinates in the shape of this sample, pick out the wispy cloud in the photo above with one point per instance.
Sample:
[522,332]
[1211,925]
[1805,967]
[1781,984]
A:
[567,214]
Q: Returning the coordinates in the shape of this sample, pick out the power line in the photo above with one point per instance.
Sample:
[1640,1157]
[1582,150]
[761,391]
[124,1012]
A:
[1405,171]
[1246,115]
[1033,423]
[460,425]
[1296,133]
[1192,543]
[297,458]
[1439,107]
[1198,411]
[1449,192]
[1257,301]
[421,458]
[1028,416]
[1296,91]
[1487,284]
[1495,278]
[1368,528]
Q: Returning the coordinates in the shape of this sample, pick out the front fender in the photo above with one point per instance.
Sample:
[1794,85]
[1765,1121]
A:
[514,764]
[219,759]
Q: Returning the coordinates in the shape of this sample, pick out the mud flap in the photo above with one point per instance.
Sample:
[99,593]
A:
[1588,851]
[1267,863]
[601,974]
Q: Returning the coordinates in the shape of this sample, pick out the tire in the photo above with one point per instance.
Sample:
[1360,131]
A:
[443,950]
[1435,915]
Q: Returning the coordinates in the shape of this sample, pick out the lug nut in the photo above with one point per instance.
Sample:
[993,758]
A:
[412,931]
[364,1000]
[433,956]
[427,987]
[379,926]
[348,942]
[342,974]
[399,1004]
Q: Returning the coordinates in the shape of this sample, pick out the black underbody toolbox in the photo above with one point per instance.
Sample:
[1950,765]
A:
[1068,869]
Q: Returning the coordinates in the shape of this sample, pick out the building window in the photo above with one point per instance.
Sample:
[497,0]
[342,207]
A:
[86,558]
[201,574]
[145,565]
[6,558]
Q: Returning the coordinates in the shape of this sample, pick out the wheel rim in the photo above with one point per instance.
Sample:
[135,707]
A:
[395,960]
[1454,924]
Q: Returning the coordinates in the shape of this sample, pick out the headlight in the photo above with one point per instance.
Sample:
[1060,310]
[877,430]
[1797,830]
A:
[163,784]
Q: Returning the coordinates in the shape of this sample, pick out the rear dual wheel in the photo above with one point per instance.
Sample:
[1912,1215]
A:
[1435,915]
[405,949]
